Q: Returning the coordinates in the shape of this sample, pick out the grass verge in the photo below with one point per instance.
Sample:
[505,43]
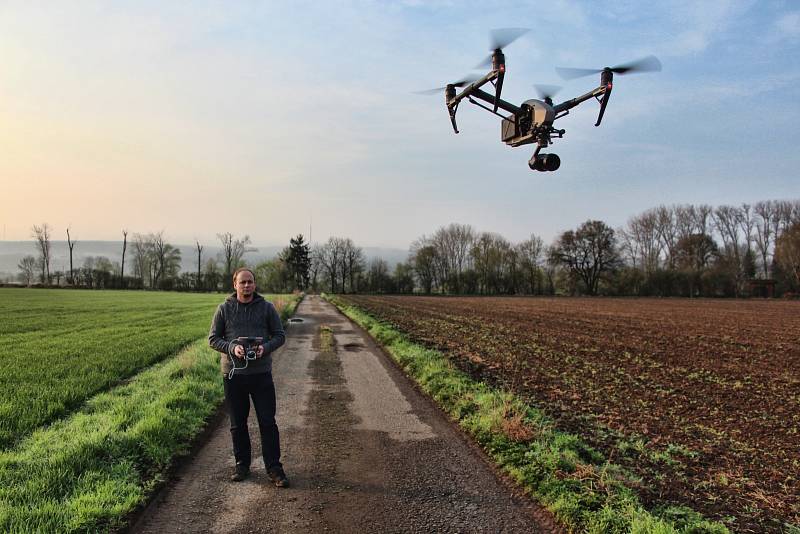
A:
[85,473]
[576,483]
[89,471]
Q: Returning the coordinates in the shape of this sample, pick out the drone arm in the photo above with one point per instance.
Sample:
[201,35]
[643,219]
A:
[498,102]
[569,104]
[487,108]
[474,89]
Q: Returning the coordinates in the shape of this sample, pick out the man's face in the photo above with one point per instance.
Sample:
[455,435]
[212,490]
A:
[245,285]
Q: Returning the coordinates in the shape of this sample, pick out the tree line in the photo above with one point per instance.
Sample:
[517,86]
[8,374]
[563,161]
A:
[678,250]
[149,261]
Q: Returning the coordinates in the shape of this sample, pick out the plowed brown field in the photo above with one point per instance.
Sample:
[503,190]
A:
[699,398]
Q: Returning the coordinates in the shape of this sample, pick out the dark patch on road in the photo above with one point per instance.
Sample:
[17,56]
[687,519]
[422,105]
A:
[331,422]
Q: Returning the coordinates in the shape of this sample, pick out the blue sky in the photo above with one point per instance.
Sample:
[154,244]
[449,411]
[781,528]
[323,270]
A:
[257,117]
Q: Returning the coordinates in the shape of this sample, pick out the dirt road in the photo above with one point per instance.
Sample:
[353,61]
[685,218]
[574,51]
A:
[363,449]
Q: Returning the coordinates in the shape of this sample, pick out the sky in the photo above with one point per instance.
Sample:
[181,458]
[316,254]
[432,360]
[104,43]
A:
[275,118]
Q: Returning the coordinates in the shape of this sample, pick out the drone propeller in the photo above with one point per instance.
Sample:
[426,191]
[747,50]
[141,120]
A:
[461,83]
[501,38]
[645,64]
[547,92]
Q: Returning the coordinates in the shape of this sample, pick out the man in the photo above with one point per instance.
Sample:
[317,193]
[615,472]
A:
[245,313]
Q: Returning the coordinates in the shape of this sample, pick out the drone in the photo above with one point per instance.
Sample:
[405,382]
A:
[532,121]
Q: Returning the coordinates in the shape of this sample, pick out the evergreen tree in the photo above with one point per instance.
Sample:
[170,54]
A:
[298,260]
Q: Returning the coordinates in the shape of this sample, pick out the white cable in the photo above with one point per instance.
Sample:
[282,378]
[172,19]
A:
[233,364]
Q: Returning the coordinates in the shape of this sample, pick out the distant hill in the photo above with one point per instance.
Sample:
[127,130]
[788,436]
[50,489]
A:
[11,252]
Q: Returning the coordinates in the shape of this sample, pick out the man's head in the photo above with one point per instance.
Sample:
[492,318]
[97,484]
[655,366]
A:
[244,282]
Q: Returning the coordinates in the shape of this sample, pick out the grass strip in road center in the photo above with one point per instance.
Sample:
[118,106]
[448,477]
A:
[582,489]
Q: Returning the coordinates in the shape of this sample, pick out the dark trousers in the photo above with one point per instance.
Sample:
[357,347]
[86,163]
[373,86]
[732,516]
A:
[238,391]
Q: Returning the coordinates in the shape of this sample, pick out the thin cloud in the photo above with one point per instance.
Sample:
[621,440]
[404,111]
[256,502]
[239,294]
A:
[788,25]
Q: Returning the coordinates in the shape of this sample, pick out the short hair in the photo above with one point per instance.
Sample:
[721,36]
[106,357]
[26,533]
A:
[241,269]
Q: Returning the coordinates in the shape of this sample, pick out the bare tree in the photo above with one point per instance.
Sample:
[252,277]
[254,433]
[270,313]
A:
[353,261]
[166,259]
[71,245]
[490,258]
[378,279]
[315,267]
[42,236]
[529,253]
[27,267]
[453,244]
[667,232]
[233,250]
[694,254]
[766,214]
[645,230]
[787,252]
[211,274]
[795,214]
[124,248]
[588,252]
[629,245]
[783,220]
[423,259]
[158,248]
[685,219]
[703,216]
[747,222]
[142,258]
[199,261]
[330,257]
[728,222]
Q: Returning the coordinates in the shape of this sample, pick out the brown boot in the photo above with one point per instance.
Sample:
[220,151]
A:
[278,477]
[240,474]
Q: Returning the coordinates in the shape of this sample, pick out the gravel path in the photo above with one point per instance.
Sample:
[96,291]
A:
[363,449]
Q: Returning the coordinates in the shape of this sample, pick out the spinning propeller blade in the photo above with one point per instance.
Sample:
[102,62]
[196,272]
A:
[501,38]
[466,80]
[645,64]
[546,92]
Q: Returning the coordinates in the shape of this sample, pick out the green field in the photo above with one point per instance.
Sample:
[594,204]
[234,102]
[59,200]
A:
[99,391]
[58,347]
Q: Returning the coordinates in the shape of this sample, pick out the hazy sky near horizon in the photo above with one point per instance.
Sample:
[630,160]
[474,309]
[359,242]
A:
[258,118]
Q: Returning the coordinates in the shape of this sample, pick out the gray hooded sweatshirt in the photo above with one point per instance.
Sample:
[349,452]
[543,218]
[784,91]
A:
[257,318]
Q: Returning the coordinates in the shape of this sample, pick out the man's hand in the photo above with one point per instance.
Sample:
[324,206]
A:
[238,351]
[260,351]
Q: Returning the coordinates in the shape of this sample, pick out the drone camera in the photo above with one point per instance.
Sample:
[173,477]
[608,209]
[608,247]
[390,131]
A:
[545,162]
